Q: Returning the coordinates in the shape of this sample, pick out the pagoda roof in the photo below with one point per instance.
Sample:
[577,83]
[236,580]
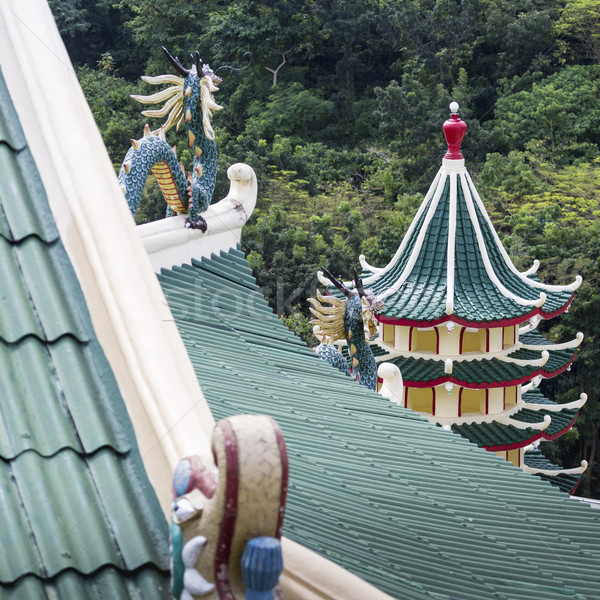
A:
[533,356]
[374,487]
[566,480]
[521,428]
[452,266]
[80,518]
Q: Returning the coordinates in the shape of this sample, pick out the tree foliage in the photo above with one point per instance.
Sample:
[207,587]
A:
[338,108]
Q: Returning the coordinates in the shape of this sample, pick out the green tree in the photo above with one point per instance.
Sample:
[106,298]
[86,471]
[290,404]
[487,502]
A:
[580,20]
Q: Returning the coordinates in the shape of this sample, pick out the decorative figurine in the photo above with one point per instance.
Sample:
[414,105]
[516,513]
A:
[225,530]
[352,319]
[189,101]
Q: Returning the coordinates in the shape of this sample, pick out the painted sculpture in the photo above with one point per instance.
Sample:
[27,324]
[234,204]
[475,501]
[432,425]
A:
[225,529]
[189,100]
[352,320]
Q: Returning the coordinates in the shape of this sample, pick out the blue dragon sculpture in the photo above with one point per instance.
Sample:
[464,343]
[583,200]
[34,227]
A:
[189,101]
[352,319]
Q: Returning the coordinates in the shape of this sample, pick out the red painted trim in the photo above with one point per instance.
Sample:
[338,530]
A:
[535,437]
[562,431]
[486,385]
[437,340]
[504,399]
[285,470]
[487,340]
[460,341]
[226,530]
[575,488]
[514,446]
[478,325]
[460,392]
[410,339]
[433,401]
[487,402]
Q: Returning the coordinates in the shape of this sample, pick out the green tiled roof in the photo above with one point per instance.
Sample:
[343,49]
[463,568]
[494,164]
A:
[480,373]
[417,511]
[495,435]
[79,517]
[567,482]
[421,298]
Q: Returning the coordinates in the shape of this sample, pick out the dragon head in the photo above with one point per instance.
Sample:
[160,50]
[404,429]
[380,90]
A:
[330,319]
[189,100]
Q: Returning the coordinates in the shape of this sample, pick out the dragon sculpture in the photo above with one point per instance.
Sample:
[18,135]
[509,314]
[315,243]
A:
[353,320]
[226,527]
[189,101]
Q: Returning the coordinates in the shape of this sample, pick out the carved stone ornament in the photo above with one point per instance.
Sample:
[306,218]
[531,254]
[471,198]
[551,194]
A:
[225,528]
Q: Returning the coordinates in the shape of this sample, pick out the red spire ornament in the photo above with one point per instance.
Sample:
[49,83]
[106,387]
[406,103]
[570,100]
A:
[454,130]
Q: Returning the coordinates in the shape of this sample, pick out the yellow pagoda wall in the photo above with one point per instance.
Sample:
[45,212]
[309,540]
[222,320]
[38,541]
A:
[450,342]
[447,342]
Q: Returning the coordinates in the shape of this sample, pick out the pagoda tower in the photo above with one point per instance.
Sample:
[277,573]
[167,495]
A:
[460,322]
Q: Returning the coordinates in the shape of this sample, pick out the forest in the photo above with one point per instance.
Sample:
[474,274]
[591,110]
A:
[338,107]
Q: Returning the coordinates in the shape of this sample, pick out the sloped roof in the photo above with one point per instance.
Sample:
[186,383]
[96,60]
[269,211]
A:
[415,510]
[497,435]
[80,519]
[519,366]
[567,482]
[451,266]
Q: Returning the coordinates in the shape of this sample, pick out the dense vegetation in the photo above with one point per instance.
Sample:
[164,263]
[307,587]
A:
[339,111]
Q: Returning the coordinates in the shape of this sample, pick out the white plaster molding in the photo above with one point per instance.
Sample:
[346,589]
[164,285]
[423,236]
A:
[450,255]
[576,404]
[523,276]
[135,327]
[484,254]
[565,346]
[309,576]
[540,362]
[466,357]
[553,472]
[533,269]
[453,165]
[474,419]
[365,265]
[168,242]
[419,241]
[541,425]
[393,385]
[395,258]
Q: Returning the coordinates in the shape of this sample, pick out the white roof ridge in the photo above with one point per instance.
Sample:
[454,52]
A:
[522,276]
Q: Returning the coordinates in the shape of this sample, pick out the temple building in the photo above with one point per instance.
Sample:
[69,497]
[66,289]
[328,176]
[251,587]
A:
[460,321]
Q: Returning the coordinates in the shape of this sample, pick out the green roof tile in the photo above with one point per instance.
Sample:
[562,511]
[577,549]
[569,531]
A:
[421,298]
[415,510]
[80,519]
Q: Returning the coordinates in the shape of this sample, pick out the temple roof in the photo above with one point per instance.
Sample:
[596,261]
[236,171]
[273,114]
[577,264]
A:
[373,486]
[451,266]
[523,427]
[80,519]
[533,356]
[565,480]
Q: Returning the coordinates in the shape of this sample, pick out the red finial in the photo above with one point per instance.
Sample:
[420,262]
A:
[454,130]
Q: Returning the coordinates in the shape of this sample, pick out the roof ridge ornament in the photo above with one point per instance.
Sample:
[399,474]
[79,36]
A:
[454,130]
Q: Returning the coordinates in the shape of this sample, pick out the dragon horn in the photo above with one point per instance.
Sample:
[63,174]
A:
[359,284]
[338,284]
[198,62]
[175,62]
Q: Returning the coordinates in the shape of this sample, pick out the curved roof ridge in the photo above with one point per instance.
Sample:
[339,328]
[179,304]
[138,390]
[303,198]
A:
[531,282]
[414,255]
[383,270]
[489,268]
